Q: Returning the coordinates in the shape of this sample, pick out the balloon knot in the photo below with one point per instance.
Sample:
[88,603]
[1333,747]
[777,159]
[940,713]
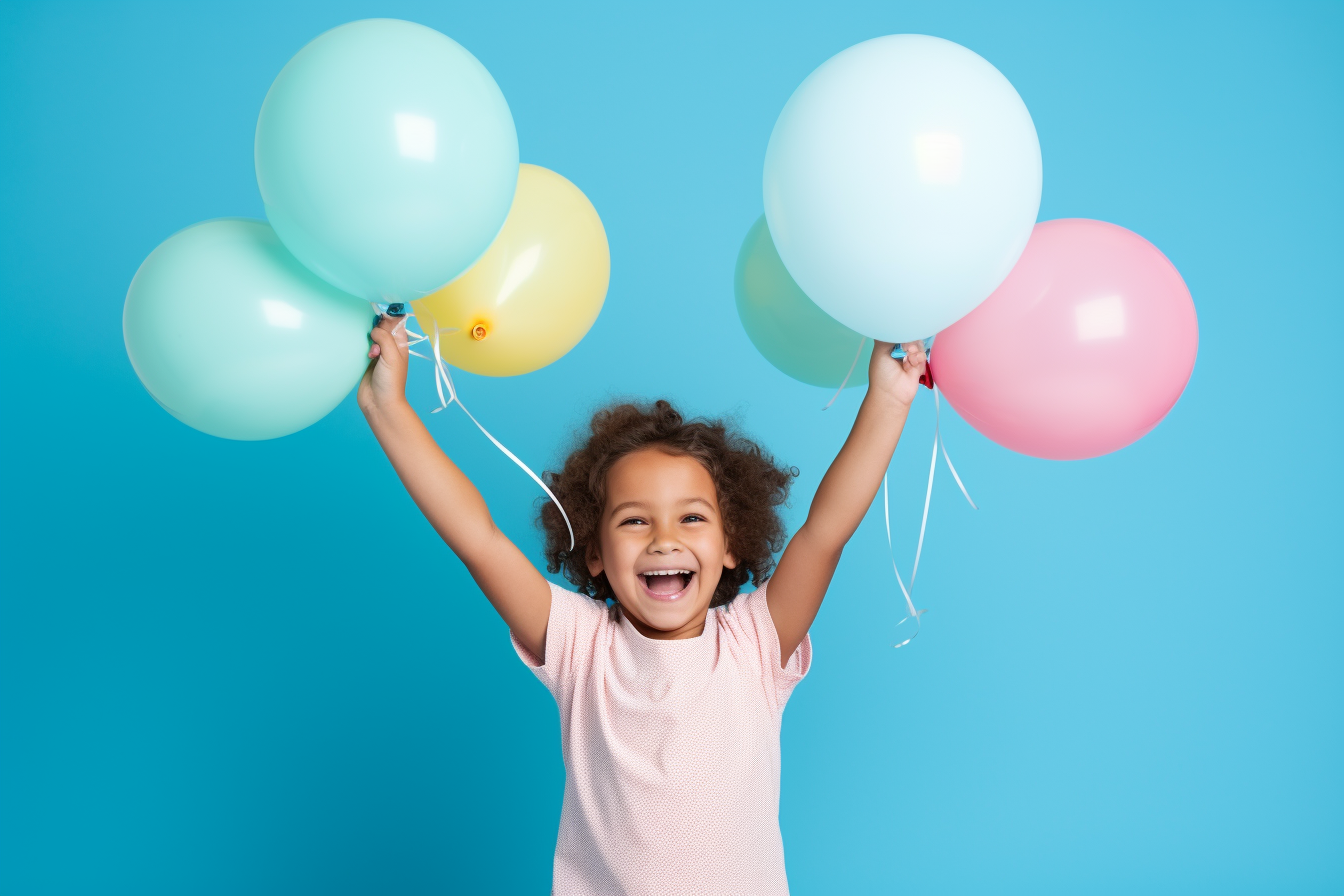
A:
[479,332]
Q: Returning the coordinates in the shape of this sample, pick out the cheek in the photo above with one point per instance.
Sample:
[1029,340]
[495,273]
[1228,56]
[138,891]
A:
[618,554]
[712,549]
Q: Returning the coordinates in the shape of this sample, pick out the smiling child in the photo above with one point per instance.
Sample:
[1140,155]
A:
[670,685]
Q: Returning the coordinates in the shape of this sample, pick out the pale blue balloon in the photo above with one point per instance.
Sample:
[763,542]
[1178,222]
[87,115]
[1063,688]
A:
[901,183]
[787,327]
[232,336]
[387,158]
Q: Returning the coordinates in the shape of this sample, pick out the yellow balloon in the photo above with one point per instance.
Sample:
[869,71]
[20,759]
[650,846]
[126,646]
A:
[534,293]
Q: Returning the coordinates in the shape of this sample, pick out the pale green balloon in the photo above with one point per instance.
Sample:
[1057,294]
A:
[236,338]
[786,326]
[386,157]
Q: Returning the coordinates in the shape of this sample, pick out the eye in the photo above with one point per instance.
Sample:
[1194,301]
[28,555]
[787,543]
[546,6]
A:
[631,521]
[693,518]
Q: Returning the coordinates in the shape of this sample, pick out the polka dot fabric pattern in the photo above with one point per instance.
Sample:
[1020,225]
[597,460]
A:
[671,750]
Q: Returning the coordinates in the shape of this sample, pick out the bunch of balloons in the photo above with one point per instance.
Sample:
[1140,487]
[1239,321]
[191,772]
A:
[387,161]
[902,183]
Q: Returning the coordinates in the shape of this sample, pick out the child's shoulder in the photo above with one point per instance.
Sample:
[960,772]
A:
[573,604]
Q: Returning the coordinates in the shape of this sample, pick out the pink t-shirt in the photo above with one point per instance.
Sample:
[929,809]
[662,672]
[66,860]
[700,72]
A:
[671,751]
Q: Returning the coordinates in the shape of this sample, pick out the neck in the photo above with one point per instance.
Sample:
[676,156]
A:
[692,629]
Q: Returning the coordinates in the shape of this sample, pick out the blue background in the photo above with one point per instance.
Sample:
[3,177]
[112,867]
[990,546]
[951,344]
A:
[253,668]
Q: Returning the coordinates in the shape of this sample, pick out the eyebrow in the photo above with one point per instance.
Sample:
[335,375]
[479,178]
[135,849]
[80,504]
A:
[640,504]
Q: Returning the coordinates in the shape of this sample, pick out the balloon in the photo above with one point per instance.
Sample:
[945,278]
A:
[786,326]
[1082,350]
[232,336]
[535,293]
[386,157]
[902,181]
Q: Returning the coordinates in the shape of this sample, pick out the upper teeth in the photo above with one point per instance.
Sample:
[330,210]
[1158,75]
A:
[667,572]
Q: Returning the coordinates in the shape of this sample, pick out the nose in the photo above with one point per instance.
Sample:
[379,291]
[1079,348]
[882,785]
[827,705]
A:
[662,540]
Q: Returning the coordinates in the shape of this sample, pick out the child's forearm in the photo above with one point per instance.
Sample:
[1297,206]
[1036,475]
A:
[845,493]
[458,513]
[447,498]
[849,486]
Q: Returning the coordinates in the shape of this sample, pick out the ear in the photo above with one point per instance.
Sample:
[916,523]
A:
[594,560]
[729,560]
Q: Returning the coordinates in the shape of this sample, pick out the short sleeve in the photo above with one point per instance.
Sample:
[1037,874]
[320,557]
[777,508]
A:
[571,630]
[752,615]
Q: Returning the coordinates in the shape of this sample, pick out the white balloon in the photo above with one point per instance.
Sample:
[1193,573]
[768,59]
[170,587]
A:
[902,182]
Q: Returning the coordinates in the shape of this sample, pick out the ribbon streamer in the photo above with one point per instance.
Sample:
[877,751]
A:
[938,444]
[852,365]
[441,379]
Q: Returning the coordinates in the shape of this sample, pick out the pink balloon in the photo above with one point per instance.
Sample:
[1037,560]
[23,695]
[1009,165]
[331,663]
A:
[1081,350]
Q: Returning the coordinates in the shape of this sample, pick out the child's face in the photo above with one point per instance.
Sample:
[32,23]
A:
[662,515]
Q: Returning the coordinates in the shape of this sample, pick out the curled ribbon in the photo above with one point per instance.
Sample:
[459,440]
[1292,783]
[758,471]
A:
[443,379]
[912,620]
[852,364]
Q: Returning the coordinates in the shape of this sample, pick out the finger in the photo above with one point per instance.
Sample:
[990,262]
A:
[386,343]
[375,350]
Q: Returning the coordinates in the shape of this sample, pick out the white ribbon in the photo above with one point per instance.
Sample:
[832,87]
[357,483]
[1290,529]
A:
[441,379]
[852,364]
[938,443]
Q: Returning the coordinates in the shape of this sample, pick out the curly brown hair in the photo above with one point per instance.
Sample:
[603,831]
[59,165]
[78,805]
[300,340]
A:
[750,485]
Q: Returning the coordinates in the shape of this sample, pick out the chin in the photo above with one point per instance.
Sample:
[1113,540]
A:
[668,612]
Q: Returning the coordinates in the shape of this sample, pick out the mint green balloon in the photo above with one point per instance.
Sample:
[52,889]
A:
[386,157]
[786,326]
[236,338]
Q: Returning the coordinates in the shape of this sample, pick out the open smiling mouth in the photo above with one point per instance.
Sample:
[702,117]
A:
[666,584]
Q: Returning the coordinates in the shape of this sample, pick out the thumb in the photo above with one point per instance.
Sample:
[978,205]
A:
[387,344]
[393,324]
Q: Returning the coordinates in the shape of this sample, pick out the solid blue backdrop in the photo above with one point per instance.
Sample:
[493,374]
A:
[252,667]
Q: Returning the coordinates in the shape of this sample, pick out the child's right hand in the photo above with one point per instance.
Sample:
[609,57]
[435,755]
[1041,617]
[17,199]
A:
[384,383]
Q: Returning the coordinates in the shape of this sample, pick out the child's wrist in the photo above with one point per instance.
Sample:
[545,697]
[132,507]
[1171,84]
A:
[888,400]
[380,408]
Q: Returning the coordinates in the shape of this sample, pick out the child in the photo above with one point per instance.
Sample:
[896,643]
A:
[670,699]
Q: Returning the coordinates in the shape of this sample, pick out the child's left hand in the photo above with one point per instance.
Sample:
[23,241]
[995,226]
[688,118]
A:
[897,378]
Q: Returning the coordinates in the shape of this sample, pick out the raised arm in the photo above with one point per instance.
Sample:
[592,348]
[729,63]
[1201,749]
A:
[845,493]
[446,496]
